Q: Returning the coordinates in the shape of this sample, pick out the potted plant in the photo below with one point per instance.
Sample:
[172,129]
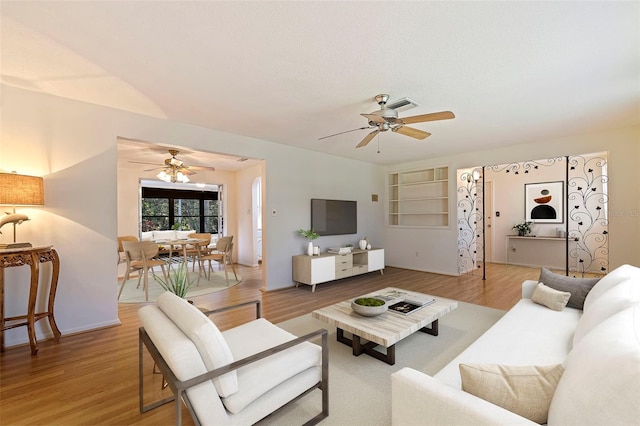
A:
[523,228]
[178,281]
[310,236]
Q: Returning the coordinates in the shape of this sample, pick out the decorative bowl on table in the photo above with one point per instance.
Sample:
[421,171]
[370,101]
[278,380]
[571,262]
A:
[368,306]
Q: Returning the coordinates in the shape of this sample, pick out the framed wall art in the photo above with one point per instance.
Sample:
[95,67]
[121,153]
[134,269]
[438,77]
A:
[544,202]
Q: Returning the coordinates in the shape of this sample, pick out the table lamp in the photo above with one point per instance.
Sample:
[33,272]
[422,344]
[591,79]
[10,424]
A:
[19,190]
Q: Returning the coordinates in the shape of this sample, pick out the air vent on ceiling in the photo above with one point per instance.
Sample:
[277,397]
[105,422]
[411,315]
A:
[403,104]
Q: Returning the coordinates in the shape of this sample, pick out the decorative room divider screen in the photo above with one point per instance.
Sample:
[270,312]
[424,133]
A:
[580,182]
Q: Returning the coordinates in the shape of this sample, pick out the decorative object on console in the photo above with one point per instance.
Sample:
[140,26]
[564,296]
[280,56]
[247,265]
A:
[523,228]
[19,190]
[362,244]
[309,235]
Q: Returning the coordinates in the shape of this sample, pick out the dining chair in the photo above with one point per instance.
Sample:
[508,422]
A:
[196,250]
[222,255]
[122,238]
[141,256]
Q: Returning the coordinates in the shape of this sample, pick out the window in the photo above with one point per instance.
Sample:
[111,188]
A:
[181,209]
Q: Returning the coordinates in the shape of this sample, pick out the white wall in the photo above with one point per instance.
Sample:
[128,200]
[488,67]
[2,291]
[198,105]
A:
[437,248]
[72,145]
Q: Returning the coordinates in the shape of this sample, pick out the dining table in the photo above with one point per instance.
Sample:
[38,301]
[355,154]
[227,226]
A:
[179,246]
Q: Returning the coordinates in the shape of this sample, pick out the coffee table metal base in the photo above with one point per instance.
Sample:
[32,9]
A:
[368,348]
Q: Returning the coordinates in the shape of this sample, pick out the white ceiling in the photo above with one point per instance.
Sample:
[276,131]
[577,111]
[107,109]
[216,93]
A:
[291,72]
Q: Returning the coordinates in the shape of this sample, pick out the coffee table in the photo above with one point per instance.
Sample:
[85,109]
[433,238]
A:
[386,329]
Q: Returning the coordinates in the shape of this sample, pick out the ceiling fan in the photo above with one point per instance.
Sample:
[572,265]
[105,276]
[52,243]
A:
[386,118]
[174,170]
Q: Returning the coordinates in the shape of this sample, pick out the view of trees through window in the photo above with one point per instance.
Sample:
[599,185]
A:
[181,210]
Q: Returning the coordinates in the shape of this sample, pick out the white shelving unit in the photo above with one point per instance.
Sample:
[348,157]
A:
[419,198]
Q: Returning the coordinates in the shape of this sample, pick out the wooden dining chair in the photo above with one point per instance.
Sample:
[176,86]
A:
[199,249]
[223,256]
[122,238]
[141,256]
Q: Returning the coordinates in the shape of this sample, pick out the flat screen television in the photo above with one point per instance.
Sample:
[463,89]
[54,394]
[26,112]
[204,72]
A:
[334,217]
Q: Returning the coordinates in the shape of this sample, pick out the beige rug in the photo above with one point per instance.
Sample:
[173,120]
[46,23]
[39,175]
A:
[360,387]
[131,294]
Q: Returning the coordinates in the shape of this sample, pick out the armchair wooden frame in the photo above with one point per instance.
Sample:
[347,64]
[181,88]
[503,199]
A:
[179,388]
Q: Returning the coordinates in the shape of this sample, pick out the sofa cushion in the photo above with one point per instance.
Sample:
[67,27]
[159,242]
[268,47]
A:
[578,287]
[164,235]
[613,278]
[601,381]
[205,335]
[552,299]
[618,298]
[524,390]
[146,236]
[528,334]
[259,335]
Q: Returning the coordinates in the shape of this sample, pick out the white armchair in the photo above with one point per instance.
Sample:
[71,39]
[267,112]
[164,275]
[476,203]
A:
[238,376]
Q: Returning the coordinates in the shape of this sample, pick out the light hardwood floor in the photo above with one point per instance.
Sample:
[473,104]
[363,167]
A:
[92,378]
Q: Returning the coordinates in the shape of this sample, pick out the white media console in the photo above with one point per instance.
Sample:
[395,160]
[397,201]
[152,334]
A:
[312,270]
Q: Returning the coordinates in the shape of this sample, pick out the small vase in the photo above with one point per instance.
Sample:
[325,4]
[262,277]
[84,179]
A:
[521,233]
[362,244]
[310,249]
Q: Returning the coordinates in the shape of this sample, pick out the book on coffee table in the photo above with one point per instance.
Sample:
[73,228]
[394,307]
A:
[407,306]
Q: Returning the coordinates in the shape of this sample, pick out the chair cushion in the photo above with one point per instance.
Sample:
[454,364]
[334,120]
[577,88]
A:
[613,278]
[260,377]
[184,360]
[524,390]
[578,287]
[205,335]
[552,299]
[601,380]
[618,298]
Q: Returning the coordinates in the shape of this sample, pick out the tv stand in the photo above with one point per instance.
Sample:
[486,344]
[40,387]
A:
[312,270]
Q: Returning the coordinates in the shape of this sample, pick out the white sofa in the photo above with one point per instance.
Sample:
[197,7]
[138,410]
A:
[598,346]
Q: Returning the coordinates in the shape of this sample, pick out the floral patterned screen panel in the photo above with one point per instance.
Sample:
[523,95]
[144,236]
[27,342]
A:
[563,198]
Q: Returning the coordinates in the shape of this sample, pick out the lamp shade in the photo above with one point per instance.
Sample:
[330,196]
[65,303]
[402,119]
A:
[21,190]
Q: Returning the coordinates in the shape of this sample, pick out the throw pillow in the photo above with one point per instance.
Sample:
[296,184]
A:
[205,336]
[578,287]
[552,299]
[524,390]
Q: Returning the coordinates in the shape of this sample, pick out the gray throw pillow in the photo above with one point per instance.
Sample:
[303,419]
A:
[578,287]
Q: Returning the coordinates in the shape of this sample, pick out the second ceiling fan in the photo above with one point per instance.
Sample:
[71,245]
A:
[387,119]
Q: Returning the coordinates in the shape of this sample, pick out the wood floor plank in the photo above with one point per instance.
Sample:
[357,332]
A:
[92,378]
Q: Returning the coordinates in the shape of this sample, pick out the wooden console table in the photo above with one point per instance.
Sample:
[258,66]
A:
[33,257]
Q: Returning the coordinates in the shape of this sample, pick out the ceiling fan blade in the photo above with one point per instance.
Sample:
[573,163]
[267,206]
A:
[367,139]
[347,131]
[211,169]
[155,168]
[410,131]
[434,116]
[375,118]
[144,162]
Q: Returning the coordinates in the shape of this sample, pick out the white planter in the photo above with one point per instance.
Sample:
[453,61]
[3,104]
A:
[362,244]
[310,249]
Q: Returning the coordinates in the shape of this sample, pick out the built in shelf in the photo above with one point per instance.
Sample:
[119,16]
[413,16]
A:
[419,198]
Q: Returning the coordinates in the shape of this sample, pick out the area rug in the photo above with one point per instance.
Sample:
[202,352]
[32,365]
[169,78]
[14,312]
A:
[131,294]
[360,387]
